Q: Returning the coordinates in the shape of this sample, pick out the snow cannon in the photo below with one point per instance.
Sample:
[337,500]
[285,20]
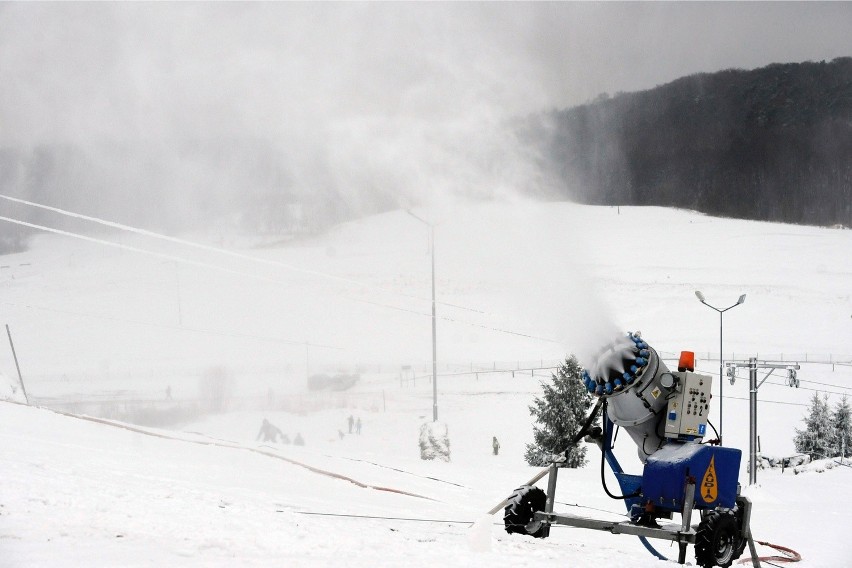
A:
[665,413]
[637,385]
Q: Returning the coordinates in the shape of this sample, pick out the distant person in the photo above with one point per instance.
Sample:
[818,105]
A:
[495,445]
[351,423]
[169,392]
[298,440]
[358,426]
[340,434]
[269,432]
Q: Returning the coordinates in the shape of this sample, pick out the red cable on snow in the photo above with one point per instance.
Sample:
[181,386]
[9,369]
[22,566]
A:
[790,554]
[234,446]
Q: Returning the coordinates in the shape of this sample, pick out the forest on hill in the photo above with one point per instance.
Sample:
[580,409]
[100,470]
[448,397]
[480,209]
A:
[773,144]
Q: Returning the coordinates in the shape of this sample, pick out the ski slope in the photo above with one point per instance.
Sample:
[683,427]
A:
[519,286]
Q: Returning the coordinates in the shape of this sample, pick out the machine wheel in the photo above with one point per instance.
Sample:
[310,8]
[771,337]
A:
[523,504]
[738,514]
[718,541]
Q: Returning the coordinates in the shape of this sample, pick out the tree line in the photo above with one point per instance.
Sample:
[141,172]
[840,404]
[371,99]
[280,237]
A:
[772,144]
[827,432]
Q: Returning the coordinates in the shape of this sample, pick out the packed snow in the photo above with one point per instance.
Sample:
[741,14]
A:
[148,380]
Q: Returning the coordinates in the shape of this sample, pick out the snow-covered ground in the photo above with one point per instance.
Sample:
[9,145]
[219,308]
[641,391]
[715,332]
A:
[519,286]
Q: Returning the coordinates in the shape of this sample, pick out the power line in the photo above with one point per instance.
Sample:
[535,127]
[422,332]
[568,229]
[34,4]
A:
[768,401]
[825,384]
[208,248]
[209,266]
[806,388]
[130,248]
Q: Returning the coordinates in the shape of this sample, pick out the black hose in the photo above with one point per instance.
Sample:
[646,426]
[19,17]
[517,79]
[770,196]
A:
[589,421]
[603,478]
[714,429]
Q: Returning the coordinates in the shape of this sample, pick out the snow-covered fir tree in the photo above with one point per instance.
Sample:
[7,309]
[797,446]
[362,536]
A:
[559,414]
[817,439]
[842,421]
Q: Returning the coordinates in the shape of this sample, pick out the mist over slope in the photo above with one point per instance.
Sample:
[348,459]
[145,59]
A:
[288,118]
[518,285]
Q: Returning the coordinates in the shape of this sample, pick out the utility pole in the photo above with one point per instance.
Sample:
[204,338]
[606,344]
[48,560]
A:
[753,387]
[434,320]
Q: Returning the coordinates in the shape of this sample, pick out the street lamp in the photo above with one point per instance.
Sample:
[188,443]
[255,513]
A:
[700,297]
[434,327]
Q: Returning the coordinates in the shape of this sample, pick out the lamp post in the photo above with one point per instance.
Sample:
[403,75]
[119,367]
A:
[434,327]
[700,297]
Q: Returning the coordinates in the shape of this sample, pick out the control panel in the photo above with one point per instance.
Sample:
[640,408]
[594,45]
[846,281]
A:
[688,405]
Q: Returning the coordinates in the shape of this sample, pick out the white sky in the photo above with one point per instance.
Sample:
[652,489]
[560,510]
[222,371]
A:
[127,70]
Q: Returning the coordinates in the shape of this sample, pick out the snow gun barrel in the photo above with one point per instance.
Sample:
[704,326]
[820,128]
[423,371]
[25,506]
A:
[636,384]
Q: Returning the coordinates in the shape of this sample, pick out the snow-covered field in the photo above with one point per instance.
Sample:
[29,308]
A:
[519,286]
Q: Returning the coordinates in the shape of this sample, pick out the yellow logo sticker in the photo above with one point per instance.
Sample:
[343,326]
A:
[709,485]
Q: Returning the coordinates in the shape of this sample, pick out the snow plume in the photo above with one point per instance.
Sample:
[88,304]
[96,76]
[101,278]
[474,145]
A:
[179,114]
[542,251]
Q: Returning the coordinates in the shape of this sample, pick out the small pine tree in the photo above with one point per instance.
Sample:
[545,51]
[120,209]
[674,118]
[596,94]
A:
[842,422]
[559,414]
[818,437]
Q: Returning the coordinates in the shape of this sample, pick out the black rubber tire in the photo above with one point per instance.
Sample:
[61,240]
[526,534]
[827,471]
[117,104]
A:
[518,514]
[718,541]
[741,542]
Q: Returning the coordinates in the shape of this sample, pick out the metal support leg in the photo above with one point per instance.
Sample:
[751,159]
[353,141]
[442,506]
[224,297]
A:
[755,561]
[744,503]
[686,521]
[551,495]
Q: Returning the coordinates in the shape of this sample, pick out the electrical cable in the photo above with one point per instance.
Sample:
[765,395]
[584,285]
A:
[729,397]
[591,509]
[379,517]
[744,378]
[825,384]
[772,383]
[767,401]
[209,266]
[235,446]
[714,428]
[790,555]
[208,248]
[603,455]
[589,420]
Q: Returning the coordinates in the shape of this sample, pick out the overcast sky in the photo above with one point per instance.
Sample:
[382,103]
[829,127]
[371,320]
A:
[183,64]
[422,85]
